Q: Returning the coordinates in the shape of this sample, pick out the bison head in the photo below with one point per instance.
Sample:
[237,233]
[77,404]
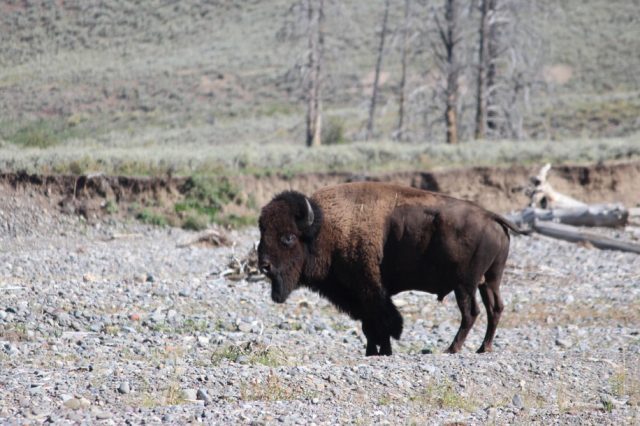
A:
[288,226]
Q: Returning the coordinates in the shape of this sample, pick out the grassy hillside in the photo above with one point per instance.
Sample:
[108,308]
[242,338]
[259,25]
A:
[120,82]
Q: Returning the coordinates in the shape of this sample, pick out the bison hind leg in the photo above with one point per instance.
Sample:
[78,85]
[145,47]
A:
[490,293]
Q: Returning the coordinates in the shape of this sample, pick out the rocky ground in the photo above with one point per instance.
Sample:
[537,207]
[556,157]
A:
[118,322]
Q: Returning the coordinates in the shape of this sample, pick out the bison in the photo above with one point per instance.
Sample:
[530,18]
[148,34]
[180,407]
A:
[358,244]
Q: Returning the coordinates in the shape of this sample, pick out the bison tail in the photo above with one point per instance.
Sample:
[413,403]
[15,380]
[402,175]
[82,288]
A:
[508,225]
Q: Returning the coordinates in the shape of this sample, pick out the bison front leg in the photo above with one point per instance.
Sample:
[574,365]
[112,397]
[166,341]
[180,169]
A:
[368,328]
[469,308]
[380,325]
[376,336]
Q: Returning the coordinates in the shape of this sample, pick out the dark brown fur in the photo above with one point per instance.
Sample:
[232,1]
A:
[369,241]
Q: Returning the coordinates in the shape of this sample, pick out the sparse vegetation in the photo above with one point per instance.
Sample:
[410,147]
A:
[443,395]
[290,160]
[38,134]
[150,217]
[271,389]
[250,353]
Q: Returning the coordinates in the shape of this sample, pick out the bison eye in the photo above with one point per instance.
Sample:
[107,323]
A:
[288,240]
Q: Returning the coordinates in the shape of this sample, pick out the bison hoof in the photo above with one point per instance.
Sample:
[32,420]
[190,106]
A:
[451,350]
[484,349]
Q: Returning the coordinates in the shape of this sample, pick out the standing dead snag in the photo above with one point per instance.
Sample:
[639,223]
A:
[315,15]
[376,78]
[485,63]
[450,37]
[403,70]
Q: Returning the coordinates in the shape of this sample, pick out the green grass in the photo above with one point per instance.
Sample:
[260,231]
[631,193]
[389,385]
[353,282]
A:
[151,218]
[39,134]
[209,190]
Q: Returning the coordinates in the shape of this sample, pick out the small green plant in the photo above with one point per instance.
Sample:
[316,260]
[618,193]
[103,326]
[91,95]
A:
[111,207]
[385,399]
[231,353]
[191,326]
[149,217]
[174,395]
[254,353]
[195,222]
[206,196]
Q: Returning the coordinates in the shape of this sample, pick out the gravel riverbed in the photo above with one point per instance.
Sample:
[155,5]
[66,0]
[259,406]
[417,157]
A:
[141,329]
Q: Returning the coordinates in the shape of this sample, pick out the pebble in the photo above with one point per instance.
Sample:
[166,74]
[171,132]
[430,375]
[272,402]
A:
[77,403]
[190,394]
[563,343]
[517,401]
[124,388]
[202,395]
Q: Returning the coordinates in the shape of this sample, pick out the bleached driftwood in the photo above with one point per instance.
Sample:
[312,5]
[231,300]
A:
[211,237]
[608,215]
[634,215]
[544,196]
[552,213]
[573,234]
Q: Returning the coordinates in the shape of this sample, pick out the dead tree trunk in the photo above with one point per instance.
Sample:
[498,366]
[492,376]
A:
[403,70]
[450,38]
[493,50]
[570,233]
[315,13]
[603,215]
[376,78]
[481,95]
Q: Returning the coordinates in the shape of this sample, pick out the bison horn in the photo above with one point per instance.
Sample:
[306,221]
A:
[310,216]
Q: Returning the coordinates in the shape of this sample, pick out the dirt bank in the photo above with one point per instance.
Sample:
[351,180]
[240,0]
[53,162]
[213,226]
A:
[499,189]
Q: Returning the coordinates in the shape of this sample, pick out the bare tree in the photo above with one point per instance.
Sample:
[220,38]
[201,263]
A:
[315,16]
[376,78]
[511,56]
[403,70]
[484,59]
[493,52]
[450,38]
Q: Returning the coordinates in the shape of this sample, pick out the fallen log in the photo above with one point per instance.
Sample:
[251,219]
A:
[575,235]
[609,215]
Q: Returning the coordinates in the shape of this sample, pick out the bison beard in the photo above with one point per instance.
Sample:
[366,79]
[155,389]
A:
[358,244]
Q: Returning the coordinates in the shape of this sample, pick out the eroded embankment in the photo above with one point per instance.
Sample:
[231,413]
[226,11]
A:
[497,188]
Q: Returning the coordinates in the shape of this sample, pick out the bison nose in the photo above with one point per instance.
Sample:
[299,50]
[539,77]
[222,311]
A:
[265,266]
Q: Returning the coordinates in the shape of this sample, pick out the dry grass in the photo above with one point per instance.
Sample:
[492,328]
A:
[270,389]
[443,395]
[251,353]
[597,313]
